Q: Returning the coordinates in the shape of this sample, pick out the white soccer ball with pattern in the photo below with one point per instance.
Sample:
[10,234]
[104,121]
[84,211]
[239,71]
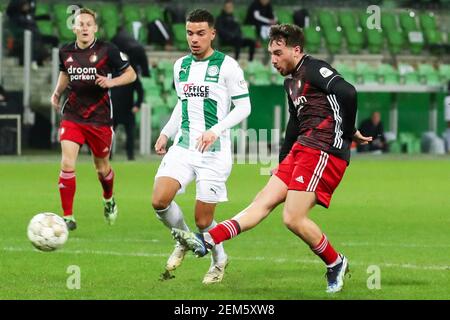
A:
[47,231]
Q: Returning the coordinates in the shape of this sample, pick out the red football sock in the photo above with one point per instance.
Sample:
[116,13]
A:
[224,231]
[107,184]
[67,186]
[325,251]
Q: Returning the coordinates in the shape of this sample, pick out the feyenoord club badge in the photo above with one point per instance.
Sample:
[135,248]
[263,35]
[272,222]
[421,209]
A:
[93,58]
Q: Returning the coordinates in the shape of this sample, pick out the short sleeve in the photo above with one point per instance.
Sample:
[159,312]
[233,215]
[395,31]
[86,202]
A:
[117,60]
[62,67]
[235,81]
[321,75]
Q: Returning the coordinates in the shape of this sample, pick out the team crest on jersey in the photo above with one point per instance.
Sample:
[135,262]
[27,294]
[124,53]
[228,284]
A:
[93,58]
[212,71]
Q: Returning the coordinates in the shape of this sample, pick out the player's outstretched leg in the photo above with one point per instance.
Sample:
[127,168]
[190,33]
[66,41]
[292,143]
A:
[295,216]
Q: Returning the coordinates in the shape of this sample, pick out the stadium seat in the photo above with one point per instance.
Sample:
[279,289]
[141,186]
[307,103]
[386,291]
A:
[333,39]
[375,40]
[179,33]
[347,20]
[249,31]
[366,72]
[65,34]
[409,74]
[60,12]
[240,12]
[131,12]
[444,72]
[327,20]
[284,15]
[433,37]
[355,40]
[42,8]
[313,39]
[171,100]
[395,41]
[389,21]
[387,74]
[153,12]
[261,78]
[347,72]
[408,21]
[428,21]
[45,27]
[429,74]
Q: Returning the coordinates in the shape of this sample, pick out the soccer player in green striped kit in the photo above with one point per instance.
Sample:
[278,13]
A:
[207,82]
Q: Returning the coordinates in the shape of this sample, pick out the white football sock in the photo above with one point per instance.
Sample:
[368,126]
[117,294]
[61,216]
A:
[218,254]
[172,217]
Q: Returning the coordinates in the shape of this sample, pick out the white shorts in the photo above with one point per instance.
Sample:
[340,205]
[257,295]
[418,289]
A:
[210,170]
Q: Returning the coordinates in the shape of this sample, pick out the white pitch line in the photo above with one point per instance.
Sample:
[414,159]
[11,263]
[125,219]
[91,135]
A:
[394,245]
[257,258]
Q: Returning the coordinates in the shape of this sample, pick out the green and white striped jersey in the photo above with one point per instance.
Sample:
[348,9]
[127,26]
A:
[205,90]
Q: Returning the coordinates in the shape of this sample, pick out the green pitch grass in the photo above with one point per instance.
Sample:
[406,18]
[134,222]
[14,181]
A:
[388,214]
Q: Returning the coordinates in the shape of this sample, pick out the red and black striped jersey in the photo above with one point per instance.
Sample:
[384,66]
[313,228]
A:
[87,102]
[319,114]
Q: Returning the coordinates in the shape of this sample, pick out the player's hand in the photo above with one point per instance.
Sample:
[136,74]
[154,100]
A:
[360,139]
[206,140]
[104,82]
[55,101]
[161,143]
[135,109]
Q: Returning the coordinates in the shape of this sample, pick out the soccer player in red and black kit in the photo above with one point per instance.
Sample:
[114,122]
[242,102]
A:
[85,69]
[313,158]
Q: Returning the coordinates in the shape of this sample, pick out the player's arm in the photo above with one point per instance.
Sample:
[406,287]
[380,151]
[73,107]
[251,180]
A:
[119,62]
[169,130]
[238,91]
[140,95]
[325,77]
[61,85]
[127,76]
[292,132]
[347,98]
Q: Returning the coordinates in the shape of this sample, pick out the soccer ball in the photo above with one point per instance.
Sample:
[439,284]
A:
[47,231]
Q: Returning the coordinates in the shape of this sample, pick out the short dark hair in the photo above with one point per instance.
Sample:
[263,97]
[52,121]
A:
[201,15]
[290,33]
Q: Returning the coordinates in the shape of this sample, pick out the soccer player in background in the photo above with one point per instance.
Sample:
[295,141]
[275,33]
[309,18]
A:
[85,69]
[207,82]
[313,158]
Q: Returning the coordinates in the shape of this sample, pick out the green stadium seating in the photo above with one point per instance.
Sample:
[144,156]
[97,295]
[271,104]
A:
[45,27]
[327,20]
[409,74]
[429,74]
[60,12]
[395,41]
[249,31]
[313,39]
[366,72]
[65,34]
[240,12]
[444,72]
[347,20]
[375,40]
[153,12]
[179,33]
[131,12]
[388,21]
[171,100]
[262,78]
[355,40]
[433,37]
[284,15]
[347,72]
[428,21]
[408,21]
[388,74]
[42,8]
[333,39]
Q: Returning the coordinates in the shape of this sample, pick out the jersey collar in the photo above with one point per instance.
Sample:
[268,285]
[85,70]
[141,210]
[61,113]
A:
[90,47]
[211,57]
[299,64]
